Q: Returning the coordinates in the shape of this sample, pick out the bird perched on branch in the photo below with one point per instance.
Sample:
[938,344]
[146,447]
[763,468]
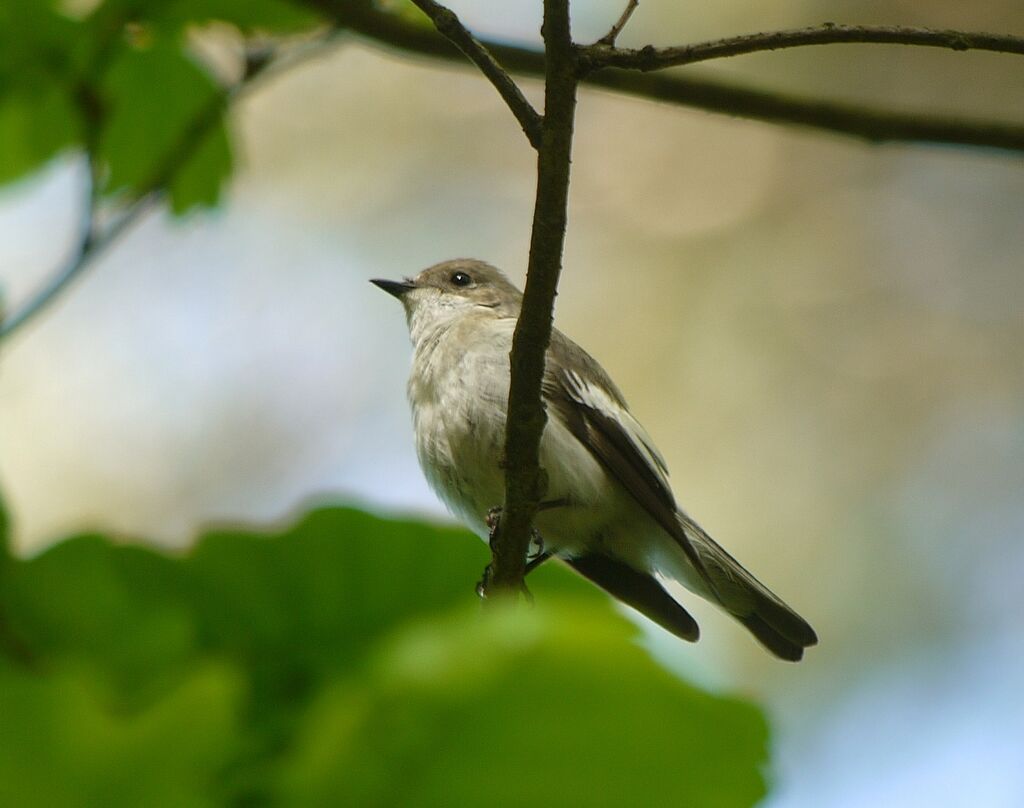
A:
[609,512]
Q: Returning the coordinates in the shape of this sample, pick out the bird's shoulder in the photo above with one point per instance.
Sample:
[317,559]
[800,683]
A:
[571,366]
[595,409]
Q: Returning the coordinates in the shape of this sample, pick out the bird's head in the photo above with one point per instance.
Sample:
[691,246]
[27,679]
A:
[453,289]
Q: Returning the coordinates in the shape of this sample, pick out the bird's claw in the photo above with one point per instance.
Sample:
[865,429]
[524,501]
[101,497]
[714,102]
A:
[493,520]
[538,540]
[534,559]
[485,582]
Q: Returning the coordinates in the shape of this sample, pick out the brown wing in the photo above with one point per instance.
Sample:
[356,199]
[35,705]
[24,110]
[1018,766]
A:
[596,414]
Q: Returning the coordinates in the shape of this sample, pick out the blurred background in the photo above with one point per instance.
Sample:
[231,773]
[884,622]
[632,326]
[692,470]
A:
[824,338]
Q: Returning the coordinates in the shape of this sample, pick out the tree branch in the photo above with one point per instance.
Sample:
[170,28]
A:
[524,479]
[872,124]
[867,122]
[448,24]
[601,55]
[90,247]
[616,29]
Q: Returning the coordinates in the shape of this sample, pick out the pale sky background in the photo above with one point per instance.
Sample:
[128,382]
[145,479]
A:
[824,338]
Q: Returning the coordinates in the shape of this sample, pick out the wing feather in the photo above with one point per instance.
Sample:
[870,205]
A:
[596,414]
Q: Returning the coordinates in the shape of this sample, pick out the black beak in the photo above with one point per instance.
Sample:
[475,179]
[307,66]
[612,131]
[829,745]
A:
[394,288]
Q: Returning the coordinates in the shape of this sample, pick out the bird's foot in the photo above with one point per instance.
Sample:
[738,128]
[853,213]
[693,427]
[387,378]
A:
[493,517]
[493,520]
[485,581]
[533,559]
[535,540]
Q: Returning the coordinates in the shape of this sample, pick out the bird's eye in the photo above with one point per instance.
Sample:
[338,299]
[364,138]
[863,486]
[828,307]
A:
[461,279]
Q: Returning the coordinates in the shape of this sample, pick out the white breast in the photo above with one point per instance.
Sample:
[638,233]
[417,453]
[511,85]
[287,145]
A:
[458,389]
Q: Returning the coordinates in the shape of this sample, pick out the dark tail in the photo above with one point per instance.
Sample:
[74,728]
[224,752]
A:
[638,590]
[776,626]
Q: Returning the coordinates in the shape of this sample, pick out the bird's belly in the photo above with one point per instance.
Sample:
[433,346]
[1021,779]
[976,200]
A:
[461,451]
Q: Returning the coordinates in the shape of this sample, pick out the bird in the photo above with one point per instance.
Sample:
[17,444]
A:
[609,512]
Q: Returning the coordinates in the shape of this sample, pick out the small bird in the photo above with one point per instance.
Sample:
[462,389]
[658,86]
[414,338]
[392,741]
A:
[609,512]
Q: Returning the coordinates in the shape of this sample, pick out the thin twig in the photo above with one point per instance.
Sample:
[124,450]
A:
[92,242]
[87,244]
[91,246]
[613,34]
[448,24]
[600,55]
[872,123]
[267,66]
[524,479]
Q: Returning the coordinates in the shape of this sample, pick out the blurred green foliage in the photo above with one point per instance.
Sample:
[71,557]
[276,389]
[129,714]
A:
[38,117]
[341,661]
[121,83]
[145,131]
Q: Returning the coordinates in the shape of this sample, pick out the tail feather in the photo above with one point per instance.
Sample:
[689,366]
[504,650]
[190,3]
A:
[771,639]
[642,592]
[775,625]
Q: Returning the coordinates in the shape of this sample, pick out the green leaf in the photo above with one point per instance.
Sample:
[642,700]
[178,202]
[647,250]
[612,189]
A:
[37,117]
[62,744]
[165,123]
[291,608]
[10,645]
[200,180]
[36,43]
[34,127]
[406,11]
[362,652]
[270,16]
[5,528]
[120,610]
[320,594]
[552,706]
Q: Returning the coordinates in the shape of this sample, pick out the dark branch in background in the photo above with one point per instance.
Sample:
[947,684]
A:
[869,123]
[90,107]
[601,54]
[91,244]
[447,23]
[524,479]
[613,34]
[872,123]
[259,67]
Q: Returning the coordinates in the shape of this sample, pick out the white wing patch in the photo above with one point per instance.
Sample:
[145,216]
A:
[597,398]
